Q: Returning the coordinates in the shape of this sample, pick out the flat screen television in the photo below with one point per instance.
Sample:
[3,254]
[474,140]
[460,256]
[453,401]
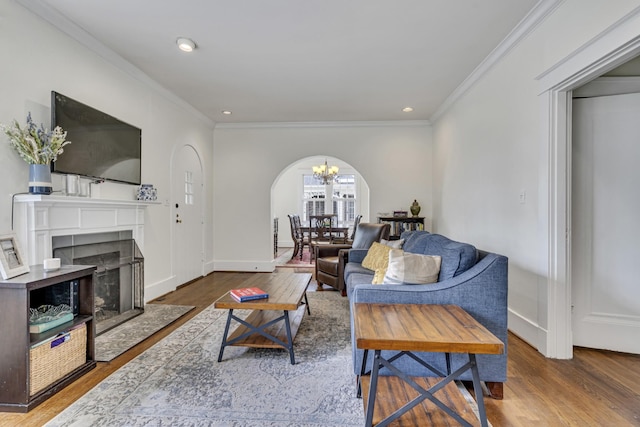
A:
[102,146]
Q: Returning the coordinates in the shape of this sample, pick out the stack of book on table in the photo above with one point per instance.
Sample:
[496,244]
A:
[248,294]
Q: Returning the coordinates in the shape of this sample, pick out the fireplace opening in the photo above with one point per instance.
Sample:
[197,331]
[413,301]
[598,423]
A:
[119,277]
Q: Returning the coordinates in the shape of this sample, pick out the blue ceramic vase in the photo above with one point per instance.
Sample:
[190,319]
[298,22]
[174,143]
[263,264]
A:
[39,179]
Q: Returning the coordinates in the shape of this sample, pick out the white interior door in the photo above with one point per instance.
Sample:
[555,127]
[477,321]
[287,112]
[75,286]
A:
[187,216]
[605,245]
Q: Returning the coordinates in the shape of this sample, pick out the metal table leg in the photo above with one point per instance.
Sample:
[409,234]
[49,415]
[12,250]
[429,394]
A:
[379,362]
[260,329]
[226,333]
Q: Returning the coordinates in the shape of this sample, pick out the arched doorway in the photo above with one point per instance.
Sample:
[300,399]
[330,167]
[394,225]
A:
[287,194]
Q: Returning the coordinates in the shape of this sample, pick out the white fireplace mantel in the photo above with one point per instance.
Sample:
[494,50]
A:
[38,218]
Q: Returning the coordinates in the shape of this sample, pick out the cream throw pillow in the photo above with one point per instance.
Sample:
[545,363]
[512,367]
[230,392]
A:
[408,268]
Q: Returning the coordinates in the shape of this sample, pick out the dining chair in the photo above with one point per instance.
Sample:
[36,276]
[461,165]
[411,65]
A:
[301,238]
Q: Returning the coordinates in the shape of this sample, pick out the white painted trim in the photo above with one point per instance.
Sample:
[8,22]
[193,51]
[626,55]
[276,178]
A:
[62,23]
[607,86]
[526,329]
[614,46]
[248,266]
[559,343]
[208,268]
[345,124]
[541,10]
[38,218]
[613,319]
[609,49]
[160,288]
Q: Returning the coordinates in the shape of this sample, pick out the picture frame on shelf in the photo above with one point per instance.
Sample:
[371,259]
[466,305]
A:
[12,263]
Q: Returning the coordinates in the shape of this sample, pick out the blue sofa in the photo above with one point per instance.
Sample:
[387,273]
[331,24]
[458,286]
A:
[472,279]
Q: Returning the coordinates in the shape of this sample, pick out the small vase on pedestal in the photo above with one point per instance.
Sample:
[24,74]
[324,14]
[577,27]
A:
[415,208]
[147,193]
[39,179]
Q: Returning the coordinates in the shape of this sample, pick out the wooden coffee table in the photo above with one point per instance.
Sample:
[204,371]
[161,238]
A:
[409,328]
[270,325]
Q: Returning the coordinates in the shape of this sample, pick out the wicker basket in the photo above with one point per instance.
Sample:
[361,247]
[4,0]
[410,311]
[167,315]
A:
[57,357]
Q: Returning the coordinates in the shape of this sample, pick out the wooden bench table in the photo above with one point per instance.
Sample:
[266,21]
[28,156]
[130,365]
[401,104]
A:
[269,325]
[409,328]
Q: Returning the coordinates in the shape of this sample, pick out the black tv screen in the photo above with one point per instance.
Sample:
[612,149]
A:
[101,146]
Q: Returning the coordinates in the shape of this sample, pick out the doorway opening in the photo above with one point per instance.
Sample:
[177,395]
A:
[557,86]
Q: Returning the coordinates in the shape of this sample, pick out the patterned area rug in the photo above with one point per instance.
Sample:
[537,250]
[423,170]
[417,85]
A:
[179,382]
[297,262]
[113,343]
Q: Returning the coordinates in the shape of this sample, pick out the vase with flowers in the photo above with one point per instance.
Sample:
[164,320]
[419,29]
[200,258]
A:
[38,147]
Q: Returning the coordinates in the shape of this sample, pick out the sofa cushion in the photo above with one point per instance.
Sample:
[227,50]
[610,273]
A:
[456,257]
[409,268]
[377,257]
[356,268]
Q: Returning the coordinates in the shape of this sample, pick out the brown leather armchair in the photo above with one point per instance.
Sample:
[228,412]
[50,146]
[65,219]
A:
[331,259]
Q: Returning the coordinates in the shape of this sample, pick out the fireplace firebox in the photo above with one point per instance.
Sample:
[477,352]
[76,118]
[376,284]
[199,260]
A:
[119,277]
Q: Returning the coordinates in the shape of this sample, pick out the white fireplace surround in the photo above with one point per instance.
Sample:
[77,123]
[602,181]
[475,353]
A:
[38,218]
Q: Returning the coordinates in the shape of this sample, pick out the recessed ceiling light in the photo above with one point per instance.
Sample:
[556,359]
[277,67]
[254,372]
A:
[407,109]
[185,44]
[226,112]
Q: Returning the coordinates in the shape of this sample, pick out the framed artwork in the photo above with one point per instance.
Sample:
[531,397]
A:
[11,262]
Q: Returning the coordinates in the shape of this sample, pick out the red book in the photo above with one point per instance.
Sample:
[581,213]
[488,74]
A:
[248,294]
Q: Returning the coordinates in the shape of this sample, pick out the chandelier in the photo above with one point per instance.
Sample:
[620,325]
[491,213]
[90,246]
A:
[325,173]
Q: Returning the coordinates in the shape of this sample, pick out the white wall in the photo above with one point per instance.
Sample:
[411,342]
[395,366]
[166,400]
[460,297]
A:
[393,158]
[45,59]
[490,148]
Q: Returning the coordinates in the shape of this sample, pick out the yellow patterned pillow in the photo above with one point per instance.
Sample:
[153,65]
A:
[377,257]
[378,277]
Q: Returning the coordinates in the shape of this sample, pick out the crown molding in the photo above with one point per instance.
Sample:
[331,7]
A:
[601,54]
[345,124]
[538,14]
[65,25]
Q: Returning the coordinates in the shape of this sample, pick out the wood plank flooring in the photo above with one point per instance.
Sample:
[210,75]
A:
[595,388]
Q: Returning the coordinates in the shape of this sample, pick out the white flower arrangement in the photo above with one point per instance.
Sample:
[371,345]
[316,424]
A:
[35,144]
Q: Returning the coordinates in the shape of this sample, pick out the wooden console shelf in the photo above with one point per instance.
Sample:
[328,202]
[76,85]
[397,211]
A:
[15,364]
[402,223]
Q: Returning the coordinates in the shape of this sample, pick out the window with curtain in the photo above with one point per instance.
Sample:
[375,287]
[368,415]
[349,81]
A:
[344,199]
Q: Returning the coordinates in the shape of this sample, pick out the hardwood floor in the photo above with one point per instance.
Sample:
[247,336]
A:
[595,388]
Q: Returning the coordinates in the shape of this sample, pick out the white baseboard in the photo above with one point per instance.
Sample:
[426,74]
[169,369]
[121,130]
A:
[158,289]
[209,267]
[254,266]
[529,331]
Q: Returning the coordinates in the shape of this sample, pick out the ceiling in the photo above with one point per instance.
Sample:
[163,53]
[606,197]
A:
[297,60]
